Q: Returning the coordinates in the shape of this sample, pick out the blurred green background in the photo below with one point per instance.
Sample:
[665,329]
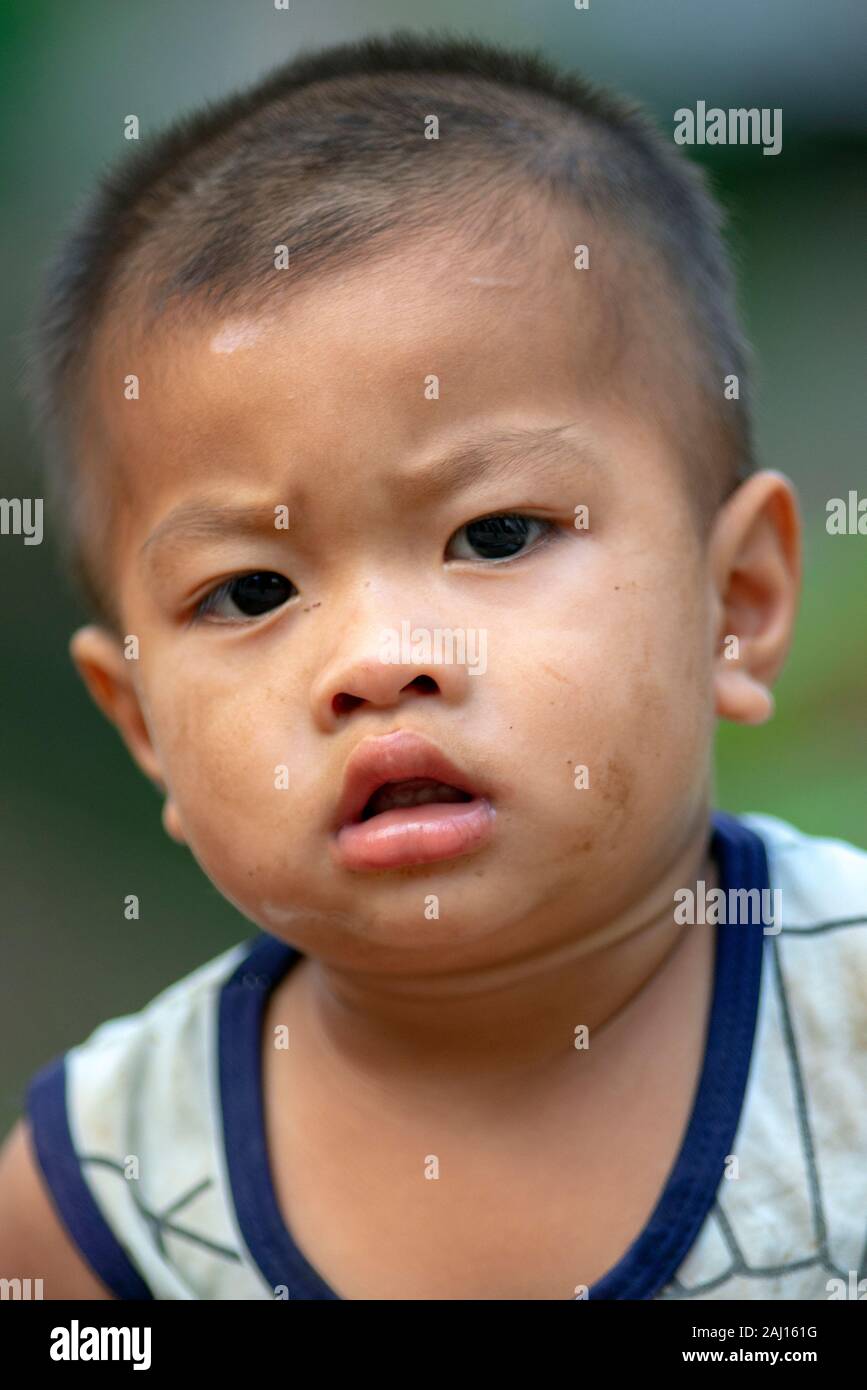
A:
[81,827]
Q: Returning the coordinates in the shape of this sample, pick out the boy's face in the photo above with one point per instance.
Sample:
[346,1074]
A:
[594,645]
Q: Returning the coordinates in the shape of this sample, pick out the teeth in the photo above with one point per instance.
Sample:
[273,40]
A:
[410,793]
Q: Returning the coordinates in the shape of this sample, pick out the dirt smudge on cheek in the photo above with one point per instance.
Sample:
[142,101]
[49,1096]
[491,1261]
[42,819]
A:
[557,675]
[616,787]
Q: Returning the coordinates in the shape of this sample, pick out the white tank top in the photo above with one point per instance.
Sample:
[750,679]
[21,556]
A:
[150,1133]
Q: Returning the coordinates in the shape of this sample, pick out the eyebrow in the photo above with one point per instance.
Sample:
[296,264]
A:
[494,455]
[490,455]
[205,521]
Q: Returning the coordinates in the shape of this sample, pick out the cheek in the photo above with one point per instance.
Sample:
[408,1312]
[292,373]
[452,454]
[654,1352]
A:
[657,722]
[221,752]
[630,700]
[241,783]
[212,747]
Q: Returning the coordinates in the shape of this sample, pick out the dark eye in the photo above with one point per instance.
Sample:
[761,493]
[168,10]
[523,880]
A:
[497,537]
[247,596]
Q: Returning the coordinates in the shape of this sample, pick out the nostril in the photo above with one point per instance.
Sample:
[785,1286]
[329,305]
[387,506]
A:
[343,703]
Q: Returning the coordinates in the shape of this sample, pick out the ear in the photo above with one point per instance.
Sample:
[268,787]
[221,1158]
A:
[100,660]
[755,559]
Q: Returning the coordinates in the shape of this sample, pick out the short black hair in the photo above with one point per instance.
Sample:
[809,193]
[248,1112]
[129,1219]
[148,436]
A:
[327,156]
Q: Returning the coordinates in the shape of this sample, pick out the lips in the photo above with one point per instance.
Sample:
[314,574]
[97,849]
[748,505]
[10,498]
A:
[404,802]
[398,757]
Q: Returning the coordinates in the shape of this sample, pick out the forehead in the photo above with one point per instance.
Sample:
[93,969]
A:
[371,364]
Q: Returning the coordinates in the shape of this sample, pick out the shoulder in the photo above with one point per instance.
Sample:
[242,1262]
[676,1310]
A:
[819,957]
[118,1050]
[788,1222]
[811,1076]
[169,1010]
[131,1069]
[123,1125]
[824,880]
[822,888]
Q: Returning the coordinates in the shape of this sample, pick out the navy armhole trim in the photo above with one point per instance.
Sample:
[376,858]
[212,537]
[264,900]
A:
[52,1138]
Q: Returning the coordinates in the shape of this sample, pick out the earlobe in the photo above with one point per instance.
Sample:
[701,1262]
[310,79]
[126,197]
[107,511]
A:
[172,822]
[741,698]
[100,660]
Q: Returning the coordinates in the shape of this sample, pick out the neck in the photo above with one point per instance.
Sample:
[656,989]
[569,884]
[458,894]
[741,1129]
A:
[514,1019]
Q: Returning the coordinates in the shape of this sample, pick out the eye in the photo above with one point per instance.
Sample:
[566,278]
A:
[498,536]
[246,596]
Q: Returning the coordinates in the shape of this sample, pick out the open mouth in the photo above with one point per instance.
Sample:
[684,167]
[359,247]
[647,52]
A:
[404,802]
[411,791]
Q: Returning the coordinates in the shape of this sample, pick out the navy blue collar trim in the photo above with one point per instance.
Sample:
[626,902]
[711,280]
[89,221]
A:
[657,1253]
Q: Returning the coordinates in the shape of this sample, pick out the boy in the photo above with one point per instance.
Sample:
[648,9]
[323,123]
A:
[418,349]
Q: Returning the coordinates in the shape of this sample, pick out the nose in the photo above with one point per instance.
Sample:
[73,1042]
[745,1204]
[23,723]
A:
[386,669]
